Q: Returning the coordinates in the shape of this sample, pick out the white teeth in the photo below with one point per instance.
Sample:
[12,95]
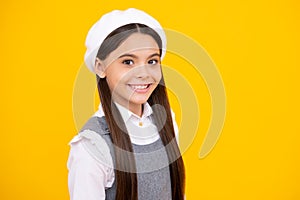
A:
[139,87]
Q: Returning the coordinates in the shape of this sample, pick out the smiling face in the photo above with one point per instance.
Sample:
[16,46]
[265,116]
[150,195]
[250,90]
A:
[132,71]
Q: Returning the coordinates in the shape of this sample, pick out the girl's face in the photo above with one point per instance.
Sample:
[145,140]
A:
[132,71]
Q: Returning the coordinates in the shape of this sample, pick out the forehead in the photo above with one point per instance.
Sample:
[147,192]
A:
[138,43]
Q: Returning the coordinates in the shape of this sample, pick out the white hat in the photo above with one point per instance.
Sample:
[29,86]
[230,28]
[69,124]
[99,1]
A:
[113,20]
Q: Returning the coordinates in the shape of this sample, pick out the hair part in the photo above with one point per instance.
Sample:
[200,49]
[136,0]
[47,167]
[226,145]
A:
[126,181]
[115,38]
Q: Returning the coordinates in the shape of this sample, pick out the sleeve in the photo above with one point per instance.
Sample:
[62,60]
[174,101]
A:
[175,127]
[87,177]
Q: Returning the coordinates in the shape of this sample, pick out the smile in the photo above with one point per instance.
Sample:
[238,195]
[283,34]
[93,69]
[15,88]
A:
[138,87]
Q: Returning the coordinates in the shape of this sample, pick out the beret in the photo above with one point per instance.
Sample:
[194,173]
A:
[113,20]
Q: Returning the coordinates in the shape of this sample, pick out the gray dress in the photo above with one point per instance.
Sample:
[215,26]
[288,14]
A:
[153,175]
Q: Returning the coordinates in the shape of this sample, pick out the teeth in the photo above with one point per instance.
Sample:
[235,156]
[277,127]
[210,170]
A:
[139,87]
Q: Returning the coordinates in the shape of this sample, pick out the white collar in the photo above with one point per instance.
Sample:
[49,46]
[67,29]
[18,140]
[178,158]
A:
[138,135]
[125,113]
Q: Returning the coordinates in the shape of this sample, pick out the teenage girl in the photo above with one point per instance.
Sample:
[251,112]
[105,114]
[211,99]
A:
[128,149]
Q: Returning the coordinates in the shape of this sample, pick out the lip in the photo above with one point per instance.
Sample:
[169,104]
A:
[140,88]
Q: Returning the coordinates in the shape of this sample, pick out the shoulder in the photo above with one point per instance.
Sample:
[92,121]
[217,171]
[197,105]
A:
[88,170]
[96,124]
[94,138]
[90,146]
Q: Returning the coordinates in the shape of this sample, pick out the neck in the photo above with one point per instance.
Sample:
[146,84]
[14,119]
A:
[136,109]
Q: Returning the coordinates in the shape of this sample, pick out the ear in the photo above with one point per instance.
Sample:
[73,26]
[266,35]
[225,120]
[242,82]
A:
[99,68]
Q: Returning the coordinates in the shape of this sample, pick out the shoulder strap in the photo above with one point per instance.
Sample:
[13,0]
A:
[97,140]
[96,124]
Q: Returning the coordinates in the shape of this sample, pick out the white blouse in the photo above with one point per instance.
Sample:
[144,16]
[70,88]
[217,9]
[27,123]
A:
[88,177]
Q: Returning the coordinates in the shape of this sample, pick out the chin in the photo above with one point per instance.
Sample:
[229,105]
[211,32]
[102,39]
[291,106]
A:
[138,100]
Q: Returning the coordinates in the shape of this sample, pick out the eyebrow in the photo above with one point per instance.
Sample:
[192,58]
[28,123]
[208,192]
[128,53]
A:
[134,56]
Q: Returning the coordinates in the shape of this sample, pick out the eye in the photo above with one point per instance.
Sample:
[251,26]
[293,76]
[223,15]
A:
[153,62]
[127,62]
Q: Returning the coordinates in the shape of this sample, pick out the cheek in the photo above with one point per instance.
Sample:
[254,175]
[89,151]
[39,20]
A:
[115,78]
[157,74]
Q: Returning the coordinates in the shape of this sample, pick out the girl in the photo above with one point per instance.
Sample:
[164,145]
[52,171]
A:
[127,150]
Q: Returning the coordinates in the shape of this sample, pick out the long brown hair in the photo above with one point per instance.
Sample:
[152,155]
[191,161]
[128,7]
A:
[126,179]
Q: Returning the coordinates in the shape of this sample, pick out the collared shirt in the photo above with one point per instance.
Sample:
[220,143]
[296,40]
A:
[88,178]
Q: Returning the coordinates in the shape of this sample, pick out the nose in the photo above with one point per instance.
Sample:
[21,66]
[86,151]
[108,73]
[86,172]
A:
[141,71]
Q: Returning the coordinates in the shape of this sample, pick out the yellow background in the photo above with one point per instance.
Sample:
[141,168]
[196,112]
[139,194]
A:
[255,45]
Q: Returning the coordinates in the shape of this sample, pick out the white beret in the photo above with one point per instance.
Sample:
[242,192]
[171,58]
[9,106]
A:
[113,20]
